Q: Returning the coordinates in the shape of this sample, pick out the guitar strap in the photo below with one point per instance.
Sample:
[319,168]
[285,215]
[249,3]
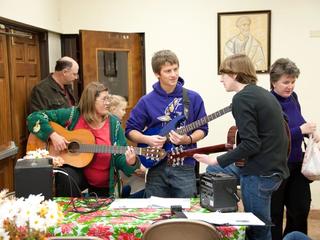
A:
[186,102]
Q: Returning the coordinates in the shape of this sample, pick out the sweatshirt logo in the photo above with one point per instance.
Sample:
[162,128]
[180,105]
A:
[171,110]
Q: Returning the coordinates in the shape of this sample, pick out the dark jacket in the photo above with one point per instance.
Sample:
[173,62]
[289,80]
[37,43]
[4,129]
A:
[261,126]
[47,95]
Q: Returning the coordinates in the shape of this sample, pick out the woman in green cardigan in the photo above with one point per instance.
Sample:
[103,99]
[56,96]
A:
[101,174]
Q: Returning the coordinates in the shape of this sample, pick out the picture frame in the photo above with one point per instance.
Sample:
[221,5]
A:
[245,32]
[110,64]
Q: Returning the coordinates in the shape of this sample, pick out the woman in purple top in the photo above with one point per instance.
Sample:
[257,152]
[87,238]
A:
[294,192]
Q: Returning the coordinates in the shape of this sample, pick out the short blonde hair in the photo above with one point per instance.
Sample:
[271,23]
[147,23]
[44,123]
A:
[116,100]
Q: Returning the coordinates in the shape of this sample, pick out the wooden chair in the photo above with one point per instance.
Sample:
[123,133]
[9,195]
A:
[181,229]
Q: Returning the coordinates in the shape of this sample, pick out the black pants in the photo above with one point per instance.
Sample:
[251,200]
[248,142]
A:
[294,194]
[71,185]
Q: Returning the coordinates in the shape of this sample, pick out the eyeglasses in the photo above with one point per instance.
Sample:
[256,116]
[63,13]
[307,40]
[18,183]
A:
[105,100]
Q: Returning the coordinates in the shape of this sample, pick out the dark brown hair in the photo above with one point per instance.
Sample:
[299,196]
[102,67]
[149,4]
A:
[242,66]
[283,66]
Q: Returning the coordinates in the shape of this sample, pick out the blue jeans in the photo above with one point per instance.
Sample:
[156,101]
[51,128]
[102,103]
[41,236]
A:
[256,194]
[296,236]
[171,182]
[230,169]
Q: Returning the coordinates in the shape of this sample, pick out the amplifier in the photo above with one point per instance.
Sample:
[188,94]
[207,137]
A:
[218,192]
[33,176]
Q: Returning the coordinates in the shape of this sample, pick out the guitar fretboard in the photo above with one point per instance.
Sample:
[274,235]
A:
[203,121]
[96,148]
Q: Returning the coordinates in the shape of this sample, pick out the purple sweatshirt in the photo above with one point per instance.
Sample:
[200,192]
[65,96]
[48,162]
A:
[291,107]
[155,109]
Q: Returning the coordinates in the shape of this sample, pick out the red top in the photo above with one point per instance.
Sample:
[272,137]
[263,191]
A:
[97,172]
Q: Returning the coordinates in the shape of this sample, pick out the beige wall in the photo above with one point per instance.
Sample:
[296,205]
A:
[54,46]
[190,29]
[43,14]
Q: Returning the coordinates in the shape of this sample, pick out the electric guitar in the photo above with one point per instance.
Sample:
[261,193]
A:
[172,125]
[82,147]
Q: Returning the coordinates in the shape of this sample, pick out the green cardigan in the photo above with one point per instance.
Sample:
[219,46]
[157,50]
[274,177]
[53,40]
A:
[38,124]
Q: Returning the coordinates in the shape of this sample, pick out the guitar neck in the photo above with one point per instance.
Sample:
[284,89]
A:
[207,150]
[203,121]
[95,148]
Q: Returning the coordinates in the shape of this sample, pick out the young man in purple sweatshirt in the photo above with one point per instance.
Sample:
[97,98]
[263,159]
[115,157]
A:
[154,111]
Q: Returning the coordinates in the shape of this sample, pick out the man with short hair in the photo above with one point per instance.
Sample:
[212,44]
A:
[55,91]
[154,111]
[263,141]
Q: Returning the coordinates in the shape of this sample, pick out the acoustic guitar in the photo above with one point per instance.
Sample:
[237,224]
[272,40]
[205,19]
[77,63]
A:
[173,125]
[177,155]
[82,147]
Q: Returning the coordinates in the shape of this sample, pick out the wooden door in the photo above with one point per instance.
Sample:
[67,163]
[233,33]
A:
[5,122]
[116,59]
[24,74]
[6,164]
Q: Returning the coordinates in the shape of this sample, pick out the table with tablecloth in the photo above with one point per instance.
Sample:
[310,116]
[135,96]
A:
[123,224]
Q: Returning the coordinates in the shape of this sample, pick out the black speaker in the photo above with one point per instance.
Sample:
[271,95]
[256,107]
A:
[218,192]
[33,176]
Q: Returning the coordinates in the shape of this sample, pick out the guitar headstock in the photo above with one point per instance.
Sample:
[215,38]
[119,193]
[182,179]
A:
[153,153]
[175,157]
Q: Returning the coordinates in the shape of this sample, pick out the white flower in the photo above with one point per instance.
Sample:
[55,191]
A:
[39,153]
[32,212]
[3,234]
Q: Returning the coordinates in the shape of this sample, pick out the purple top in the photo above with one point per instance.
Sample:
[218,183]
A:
[291,107]
[157,108]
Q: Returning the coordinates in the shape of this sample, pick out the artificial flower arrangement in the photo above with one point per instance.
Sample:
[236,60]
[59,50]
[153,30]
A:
[27,218]
[43,153]
[39,153]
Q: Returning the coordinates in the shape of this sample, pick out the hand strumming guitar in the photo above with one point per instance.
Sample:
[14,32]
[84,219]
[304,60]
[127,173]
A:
[59,142]
[178,139]
[155,140]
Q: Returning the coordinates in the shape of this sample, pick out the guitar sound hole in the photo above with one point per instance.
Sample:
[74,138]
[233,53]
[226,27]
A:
[73,147]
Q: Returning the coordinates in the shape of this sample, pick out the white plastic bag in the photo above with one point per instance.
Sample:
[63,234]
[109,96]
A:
[311,161]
